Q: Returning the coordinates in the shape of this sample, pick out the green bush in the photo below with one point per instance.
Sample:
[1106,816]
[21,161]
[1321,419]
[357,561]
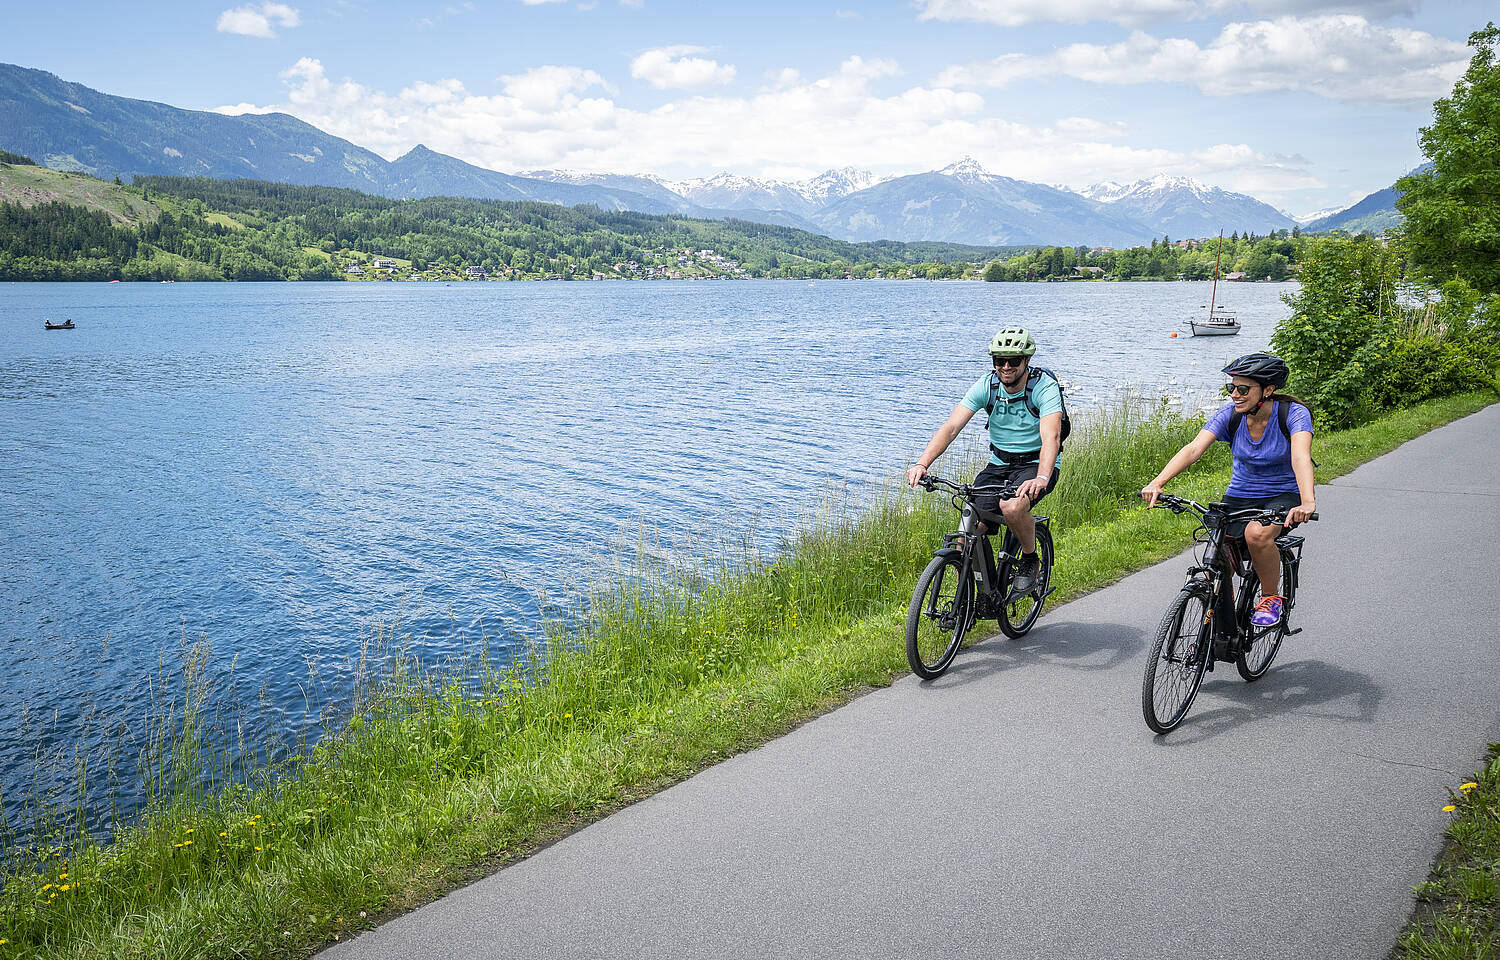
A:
[1363,339]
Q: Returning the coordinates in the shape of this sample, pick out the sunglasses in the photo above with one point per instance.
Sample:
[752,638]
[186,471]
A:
[1009,361]
[1239,390]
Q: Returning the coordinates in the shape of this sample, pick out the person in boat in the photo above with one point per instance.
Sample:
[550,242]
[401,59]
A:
[1025,427]
[1270,436]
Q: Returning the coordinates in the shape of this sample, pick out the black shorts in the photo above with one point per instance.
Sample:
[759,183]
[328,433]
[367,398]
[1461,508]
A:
[1012,473]
[1280,503]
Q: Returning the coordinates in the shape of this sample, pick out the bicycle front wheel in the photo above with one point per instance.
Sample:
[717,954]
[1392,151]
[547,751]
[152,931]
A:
[1018,614]
[1178,657]
[1265,642]
[941,612]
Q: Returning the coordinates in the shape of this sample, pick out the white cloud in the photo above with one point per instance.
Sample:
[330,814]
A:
[1135,13]
[1089,127]
[666,67]
[547,118]
[545,87]
[253,21]
[1342,57]
[1016,13]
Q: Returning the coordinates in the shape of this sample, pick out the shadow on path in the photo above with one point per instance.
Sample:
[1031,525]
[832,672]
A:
[1071,644]
[1309,687]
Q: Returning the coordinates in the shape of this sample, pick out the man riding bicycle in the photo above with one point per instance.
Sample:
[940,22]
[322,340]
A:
[1025,427]
[1270,436]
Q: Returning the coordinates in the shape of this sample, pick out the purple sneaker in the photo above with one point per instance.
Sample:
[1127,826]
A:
[1267,612]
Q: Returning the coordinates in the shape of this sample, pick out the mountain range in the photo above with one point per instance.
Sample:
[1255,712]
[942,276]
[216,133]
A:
[68,126]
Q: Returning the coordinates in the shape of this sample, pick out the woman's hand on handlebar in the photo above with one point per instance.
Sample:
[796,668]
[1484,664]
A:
[1150,493]
[915,474]
[1301,513]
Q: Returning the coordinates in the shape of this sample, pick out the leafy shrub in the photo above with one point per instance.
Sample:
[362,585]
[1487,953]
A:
[1362,339]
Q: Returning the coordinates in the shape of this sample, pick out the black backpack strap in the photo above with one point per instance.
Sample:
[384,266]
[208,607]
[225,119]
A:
[1031,378]
[989,406]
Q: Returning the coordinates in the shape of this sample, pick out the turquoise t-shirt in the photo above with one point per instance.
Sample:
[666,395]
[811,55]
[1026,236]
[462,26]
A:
[1012,427]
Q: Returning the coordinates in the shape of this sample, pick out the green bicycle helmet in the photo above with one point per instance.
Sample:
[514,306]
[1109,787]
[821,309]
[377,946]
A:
[1012,342]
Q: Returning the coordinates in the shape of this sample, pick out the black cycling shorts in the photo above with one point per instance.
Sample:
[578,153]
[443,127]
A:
[1012,473]
[1280,503]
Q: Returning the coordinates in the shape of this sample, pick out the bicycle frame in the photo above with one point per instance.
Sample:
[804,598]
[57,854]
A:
[1225,561]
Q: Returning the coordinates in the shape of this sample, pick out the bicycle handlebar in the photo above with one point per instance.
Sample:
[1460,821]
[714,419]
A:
[931,481]
[1182,504]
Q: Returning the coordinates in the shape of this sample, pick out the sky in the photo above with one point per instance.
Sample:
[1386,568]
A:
[1305,104]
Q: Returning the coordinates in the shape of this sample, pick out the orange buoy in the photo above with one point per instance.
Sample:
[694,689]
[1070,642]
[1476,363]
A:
[1174,334]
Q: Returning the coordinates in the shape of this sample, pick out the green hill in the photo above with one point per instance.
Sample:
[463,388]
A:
[27,185]
[68,226]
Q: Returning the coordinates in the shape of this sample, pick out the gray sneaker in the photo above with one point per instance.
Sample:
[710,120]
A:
[1025,576]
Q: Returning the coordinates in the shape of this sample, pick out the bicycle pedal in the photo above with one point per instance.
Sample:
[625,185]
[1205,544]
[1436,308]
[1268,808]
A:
[1293,633]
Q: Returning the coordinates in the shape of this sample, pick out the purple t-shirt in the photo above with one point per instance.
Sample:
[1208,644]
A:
[1262,469]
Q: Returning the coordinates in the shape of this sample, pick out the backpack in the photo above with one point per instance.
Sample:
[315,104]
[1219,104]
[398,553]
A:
[1032,378]
[1283,409]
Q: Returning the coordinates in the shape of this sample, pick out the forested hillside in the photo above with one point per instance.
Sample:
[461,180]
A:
[200,229]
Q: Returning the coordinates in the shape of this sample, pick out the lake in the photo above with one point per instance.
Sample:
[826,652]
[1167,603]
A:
[282,470]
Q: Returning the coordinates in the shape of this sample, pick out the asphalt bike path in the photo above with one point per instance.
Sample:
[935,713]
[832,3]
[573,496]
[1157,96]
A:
[1018,807]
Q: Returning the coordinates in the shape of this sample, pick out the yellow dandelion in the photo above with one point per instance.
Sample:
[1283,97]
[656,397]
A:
[1449,808]
[257,849]
[187,843]
[223,834]
[567,716]
[1469,786]
[46,888]
[188,830]
[65,888]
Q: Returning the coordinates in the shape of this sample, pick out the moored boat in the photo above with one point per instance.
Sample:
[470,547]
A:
[1219,323]
[65,325]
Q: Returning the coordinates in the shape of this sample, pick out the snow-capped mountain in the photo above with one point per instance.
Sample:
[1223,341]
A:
[967,170]
[831,185]
[1184,207]
[726,191]
[1306,218]
[964,203]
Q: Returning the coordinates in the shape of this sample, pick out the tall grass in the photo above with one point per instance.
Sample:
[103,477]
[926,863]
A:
[687,654]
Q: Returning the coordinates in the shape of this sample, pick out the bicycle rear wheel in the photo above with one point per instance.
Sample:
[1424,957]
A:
[941,612]
[1254,660]
[1178,657]
[1017,615]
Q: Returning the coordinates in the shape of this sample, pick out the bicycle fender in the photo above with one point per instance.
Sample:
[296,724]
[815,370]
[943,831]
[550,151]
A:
[953,552]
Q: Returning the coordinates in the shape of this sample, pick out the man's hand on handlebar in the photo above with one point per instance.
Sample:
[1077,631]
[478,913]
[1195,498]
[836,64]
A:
[1150,493]
[915,474]
[1032,489]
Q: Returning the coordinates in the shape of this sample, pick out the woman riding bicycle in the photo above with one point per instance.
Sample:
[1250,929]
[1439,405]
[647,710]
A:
[1270,436]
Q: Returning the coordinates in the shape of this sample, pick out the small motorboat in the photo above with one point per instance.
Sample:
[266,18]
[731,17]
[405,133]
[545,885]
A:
[65,325]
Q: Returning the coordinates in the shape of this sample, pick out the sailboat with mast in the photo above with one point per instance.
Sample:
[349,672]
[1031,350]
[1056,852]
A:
[1220,322]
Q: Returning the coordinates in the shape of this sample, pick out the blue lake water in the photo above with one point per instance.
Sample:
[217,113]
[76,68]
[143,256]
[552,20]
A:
[281,469]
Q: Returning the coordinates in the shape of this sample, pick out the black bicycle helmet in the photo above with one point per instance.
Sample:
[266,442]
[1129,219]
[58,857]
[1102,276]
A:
[1262,368]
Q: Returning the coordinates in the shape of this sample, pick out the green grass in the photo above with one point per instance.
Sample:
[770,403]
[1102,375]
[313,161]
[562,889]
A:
[29,186]
[1457,916]
[434,779]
